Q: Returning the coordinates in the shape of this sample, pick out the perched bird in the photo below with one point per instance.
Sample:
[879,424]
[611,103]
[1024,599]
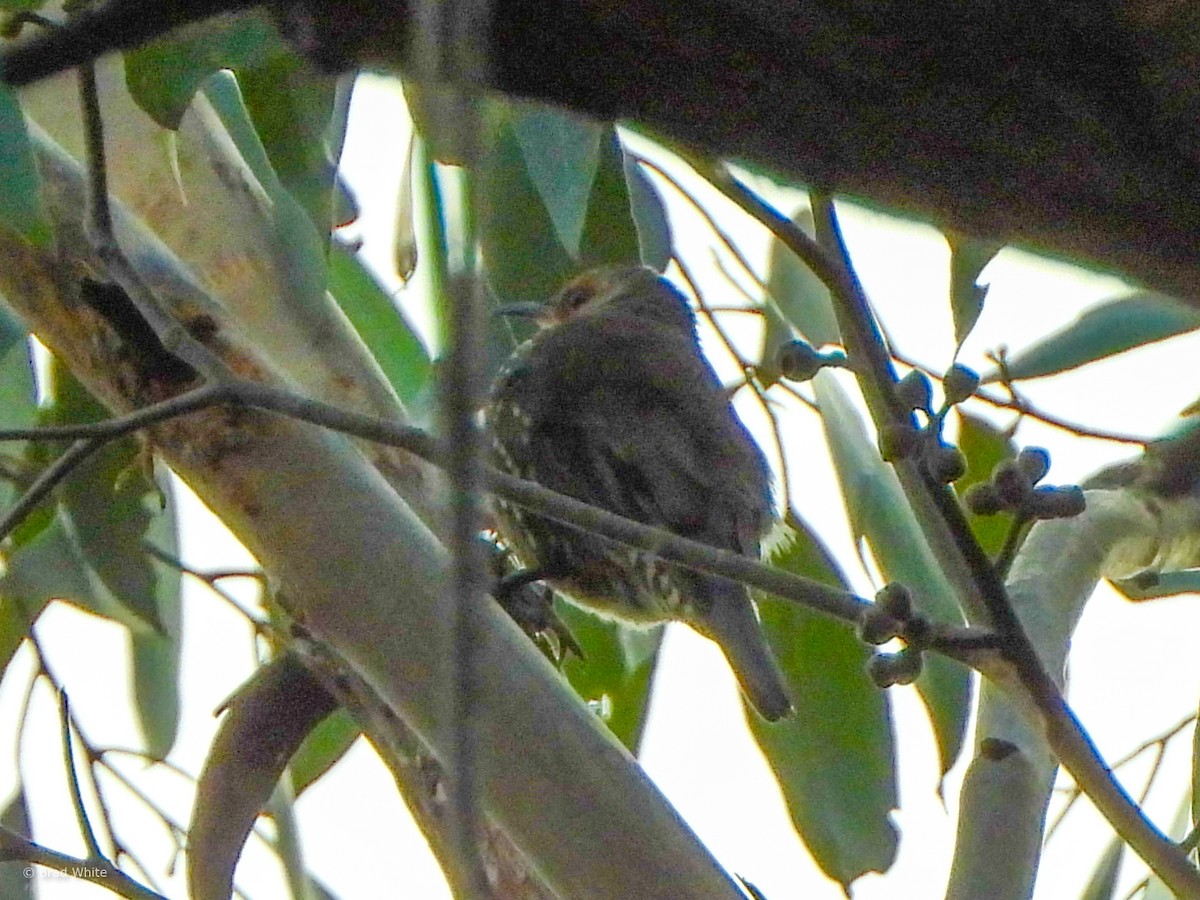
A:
[612,403]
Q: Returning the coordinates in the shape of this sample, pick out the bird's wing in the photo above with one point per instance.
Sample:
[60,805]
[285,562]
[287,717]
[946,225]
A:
[651,463]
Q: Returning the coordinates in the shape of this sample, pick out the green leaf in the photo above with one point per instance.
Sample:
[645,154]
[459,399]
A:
[1102,331]
[967,259]
[223,92]
[616,671]
[879,512]
[322,748]
[48,566]
[984,445]
[103,506]
[291,107]
[834,759]
[163,75]
[649,217]
[154,655]
[523,257]
[562,154]
[15,883]
[380,323]
[610,234]
[799,295]
[1103,883]
[18,393]
[20,188]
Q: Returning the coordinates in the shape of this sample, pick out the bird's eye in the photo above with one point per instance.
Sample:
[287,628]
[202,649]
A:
[573,298]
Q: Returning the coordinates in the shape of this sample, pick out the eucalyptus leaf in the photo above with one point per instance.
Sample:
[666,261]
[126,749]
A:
[1102,331]
[523,256]
[105,506]
[21,200]
[154,655]
[610,234]
[164,74]
[649,217]
[1155,585]
[380,323]
[562,154]
[18,392]
[47,567]
[800,296]
[1103,883]
[15,880]
[322,748]
[968,256]
[292,107]
[834,758]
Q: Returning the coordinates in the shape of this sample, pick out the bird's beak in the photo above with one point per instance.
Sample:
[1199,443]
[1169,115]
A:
[528,310]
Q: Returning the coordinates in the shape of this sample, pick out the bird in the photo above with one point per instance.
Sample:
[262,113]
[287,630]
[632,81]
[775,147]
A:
[613,403]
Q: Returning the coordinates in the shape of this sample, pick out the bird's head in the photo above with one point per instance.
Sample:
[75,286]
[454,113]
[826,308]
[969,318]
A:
[619,290]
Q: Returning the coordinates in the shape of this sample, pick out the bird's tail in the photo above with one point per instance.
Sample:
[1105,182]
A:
[730,620]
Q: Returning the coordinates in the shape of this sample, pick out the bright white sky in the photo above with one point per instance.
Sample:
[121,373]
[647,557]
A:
[1135,671]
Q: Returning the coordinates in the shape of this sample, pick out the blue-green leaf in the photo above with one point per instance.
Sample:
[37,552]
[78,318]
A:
[380,323]
[834,758]
[104,506]
[154,655]
[1154,585]
[18,393]
[322,748]
[879,512]
[649,217]
[20,188]
[1105,330]
[562,154]
[610,234]
[523,256]
[163,75]
[968,256]
[46,567]
[799,295]
[291,106]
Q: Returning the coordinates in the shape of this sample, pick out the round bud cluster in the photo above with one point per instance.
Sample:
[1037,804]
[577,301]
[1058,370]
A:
[1014,488]
[902,439]
[888,669]
[892,616]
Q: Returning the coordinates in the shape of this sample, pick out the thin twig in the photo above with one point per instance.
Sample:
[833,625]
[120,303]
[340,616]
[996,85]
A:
[85,825]
[1159,741]
[14,846]
[47,481]
[1024,408]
